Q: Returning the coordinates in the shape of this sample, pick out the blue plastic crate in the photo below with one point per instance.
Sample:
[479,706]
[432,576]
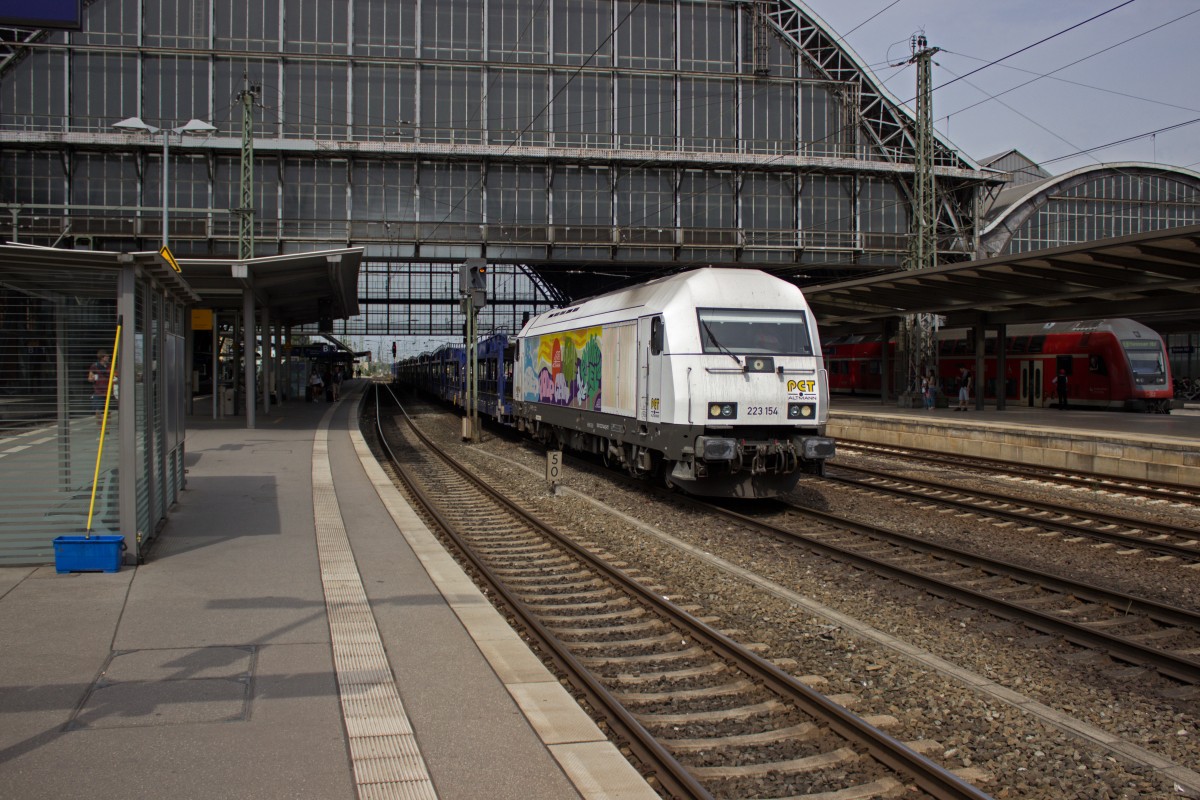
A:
[88,554]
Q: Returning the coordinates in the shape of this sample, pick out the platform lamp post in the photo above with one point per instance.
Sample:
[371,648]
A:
[191,127]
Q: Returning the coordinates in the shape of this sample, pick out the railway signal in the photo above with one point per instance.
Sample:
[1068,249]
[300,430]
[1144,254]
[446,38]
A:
[472,285]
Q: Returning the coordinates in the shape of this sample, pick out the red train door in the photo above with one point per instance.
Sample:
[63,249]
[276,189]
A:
[1031,383]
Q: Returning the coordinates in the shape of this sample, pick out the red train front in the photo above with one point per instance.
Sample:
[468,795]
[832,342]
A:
[1110,363]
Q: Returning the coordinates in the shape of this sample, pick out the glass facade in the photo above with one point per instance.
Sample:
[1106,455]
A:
[559,139]
[1099,203]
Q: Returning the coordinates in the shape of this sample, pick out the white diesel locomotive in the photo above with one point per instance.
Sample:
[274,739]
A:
[712,379]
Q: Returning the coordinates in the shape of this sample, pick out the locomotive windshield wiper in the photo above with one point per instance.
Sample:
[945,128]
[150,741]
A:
[720,346]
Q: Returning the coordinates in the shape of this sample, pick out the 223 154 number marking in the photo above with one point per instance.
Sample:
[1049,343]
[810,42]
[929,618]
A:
[762,411]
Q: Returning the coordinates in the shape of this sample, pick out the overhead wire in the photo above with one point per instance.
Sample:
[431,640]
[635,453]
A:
[1030,46]
[1040,76]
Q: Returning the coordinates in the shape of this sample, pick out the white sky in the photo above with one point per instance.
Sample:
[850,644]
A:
[1149,83]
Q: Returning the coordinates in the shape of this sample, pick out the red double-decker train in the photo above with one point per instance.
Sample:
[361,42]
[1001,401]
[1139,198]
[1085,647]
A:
[1110,364]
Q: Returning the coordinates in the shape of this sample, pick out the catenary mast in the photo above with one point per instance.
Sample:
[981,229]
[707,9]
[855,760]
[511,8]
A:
[921,329]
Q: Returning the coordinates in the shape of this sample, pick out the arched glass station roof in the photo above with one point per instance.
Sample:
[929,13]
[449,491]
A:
[575,145]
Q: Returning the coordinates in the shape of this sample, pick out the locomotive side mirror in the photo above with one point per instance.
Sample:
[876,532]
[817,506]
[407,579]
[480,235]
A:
[656,336]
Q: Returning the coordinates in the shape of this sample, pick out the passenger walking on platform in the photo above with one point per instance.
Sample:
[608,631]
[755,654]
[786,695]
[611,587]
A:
[98,378]
[964,388]
[315,386]
[337,384]
[327,380]
[1061,384]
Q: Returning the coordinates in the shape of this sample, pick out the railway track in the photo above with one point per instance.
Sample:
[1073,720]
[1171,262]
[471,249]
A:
[1134,630]
[1153,490]
[1168,540]
[1131,629]
[703,715]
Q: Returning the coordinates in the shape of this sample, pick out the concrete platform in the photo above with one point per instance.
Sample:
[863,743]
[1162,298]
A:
[231,664]
[1160,447]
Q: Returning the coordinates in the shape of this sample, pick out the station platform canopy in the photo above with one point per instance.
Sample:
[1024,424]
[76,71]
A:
[1151,277]
[33,269]
[298,288]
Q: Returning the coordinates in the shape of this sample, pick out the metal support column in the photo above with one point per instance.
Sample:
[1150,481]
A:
[264,338]
[214,374]
[281,377]
[189,363]
[980,342]
[248,355]
[1001,367]
[885,363]
[62,369]
[127,458]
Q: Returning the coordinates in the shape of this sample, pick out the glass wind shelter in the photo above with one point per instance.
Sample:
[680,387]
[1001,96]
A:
[84,441]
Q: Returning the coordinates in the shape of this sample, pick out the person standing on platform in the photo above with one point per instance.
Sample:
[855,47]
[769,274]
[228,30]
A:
[315,386]
[98,378]
[1061,385]
[964,388]
[929,391]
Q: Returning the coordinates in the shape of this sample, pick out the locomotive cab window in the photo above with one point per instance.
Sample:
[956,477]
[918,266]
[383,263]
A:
[756,332]
[1145,360]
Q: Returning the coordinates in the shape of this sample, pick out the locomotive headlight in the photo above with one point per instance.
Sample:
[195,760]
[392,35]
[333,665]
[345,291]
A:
[802,410]
[722,410]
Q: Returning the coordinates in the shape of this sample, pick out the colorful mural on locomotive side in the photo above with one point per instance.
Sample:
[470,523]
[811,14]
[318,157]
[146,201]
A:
[564,369]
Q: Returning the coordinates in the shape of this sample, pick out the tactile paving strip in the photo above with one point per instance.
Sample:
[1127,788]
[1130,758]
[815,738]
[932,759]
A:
[383,749]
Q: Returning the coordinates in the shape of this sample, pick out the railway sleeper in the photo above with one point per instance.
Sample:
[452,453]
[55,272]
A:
[833,758]
[548,583]
[573,619]
[691,653]
[739,686]
[805,731]
[575,598]
[703,671]
[582,608]
[1112,622]
[632,627]
[651,642]
[1163,634]
[509,551]
[742,713]
[536,568]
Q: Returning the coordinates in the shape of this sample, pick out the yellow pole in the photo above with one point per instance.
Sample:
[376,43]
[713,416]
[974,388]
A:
[112,368]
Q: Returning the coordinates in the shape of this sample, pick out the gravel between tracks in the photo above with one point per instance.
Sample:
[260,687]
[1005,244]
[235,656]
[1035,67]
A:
[1022,756]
